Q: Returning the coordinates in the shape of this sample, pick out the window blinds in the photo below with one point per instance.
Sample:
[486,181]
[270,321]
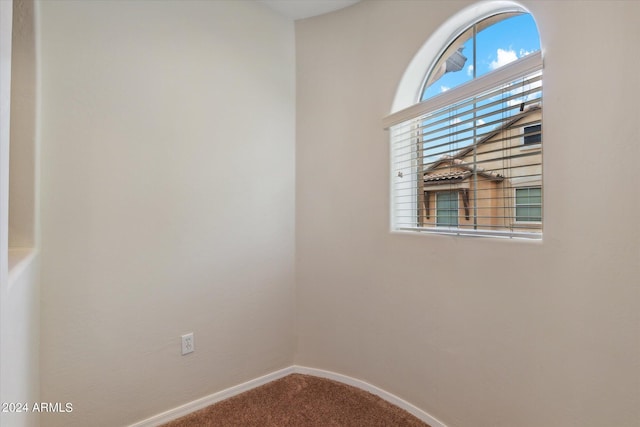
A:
[461,163]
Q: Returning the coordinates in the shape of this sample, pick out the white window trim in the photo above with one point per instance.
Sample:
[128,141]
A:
[410,86]
[406,105]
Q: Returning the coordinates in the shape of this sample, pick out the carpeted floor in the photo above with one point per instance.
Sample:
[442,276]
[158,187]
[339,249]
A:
[301,400]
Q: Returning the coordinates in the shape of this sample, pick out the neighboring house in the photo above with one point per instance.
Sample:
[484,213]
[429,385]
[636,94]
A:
[502,193]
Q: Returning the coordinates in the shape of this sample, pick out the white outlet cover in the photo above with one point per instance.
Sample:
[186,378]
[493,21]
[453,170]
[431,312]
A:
[188,343]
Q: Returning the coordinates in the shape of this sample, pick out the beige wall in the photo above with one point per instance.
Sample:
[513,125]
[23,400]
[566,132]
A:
[22,180]
[167,134]
[168,207]
[552,338]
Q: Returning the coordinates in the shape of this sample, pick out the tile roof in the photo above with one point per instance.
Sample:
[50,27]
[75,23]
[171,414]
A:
[455,172]
[446,177]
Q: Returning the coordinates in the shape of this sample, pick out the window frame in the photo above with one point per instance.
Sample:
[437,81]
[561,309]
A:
[515,205]
[454,195]
[538,136]
[504,75]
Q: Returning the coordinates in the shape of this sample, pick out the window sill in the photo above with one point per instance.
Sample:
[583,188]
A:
[530,147]
[528,224]
[467,233]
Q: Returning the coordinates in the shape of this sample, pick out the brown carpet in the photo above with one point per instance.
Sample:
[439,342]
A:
[301,400]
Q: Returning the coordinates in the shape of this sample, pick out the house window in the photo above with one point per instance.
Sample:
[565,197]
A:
[447,209]
[461,139]
[528,204]
[533,134]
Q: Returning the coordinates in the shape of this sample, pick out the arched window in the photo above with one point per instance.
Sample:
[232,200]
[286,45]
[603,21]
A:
[466,157]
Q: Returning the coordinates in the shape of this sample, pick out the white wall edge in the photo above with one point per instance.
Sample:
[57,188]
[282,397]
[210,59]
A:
[203,402]
[19,260]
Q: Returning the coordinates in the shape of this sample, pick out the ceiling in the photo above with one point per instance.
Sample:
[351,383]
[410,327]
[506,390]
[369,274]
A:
[300,9]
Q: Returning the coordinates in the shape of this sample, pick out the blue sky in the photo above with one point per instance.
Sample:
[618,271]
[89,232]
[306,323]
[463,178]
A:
[497,45]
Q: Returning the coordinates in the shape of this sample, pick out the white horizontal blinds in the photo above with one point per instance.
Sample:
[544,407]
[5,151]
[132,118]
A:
[477,153]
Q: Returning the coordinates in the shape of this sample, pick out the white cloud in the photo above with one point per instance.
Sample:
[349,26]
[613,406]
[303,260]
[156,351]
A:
[470,70]
[524,89]
[524,53]
[514,102]
[504,57]
[444,88]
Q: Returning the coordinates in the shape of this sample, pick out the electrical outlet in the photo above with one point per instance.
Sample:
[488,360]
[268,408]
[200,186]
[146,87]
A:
[188,345]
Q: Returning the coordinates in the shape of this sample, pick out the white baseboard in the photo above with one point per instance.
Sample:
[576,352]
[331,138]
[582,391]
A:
[203,402]
[391,398]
